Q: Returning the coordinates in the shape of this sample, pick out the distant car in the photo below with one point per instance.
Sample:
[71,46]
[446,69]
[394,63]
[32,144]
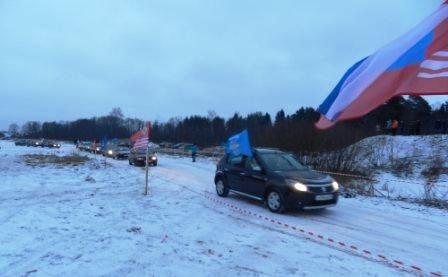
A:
[37,143]
[95,148]
[51,144]
[178,145]
[276,178]
[30,142]
[166,145]
[186,147]
[84,145]
[20,142]
[138,157]
[117,152]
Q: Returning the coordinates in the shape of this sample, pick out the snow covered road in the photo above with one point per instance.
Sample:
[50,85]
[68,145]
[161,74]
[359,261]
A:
[94,221]
[408,232]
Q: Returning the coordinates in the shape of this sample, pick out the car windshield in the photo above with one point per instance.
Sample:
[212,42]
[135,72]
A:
[281,162]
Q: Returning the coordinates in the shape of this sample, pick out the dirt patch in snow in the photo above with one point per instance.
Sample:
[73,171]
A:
[42,160]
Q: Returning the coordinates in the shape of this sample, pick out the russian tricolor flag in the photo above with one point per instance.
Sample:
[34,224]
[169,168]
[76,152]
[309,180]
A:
[415,64]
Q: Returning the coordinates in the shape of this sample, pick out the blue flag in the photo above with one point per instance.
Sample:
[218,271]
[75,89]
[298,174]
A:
[104,143]
[239,144]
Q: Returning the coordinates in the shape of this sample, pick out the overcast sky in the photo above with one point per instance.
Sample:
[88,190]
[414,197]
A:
[63,60]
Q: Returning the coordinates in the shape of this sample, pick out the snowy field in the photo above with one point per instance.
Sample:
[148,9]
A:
[92,220]
[398,164]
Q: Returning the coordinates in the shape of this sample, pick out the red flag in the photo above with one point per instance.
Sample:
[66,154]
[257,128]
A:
[137,136]
[141,138]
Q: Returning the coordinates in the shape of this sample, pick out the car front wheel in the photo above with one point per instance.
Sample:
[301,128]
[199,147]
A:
[275,201]
[221,189]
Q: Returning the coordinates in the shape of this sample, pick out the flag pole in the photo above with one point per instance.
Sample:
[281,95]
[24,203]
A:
[146,170]
[148,134]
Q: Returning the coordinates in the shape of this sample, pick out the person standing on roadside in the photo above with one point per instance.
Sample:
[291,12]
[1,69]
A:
[394,127]
[194,152]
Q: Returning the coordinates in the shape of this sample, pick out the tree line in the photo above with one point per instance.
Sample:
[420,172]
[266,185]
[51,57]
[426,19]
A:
[293,132]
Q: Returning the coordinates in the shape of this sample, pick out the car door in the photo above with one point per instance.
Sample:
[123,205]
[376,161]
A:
[254,181]
[235,172]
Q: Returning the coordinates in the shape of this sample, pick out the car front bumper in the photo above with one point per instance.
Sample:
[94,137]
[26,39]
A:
[143,160]
[312,201]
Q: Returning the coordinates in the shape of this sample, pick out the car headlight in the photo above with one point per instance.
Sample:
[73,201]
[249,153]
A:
[335,185]
[110,152]
[300,187]
[97,149]
[154,158]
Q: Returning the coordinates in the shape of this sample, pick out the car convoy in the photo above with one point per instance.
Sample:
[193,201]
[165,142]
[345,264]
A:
[38,143]
[275,177]
[120,151]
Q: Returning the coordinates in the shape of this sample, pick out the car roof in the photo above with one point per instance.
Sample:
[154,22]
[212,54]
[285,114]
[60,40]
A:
[267,151]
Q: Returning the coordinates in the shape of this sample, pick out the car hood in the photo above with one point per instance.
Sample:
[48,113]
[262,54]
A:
[306,176]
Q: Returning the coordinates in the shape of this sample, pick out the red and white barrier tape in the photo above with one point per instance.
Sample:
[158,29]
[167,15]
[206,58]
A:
[323,239]
[346,175]
[364,177]
[328,240]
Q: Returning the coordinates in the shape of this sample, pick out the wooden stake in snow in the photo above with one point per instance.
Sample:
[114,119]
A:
[146,169]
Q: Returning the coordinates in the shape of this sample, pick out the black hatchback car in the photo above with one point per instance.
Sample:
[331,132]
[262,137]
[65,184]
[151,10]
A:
[276,178]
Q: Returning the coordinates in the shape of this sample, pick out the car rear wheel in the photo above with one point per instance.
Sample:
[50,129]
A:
[221,189]
[275,201]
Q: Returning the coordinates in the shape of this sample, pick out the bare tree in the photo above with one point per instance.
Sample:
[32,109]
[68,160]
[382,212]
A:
[13,129]
[32,129]
[117,112]
[211,114]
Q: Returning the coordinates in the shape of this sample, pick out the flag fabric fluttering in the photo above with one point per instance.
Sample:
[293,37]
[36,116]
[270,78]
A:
[141,143]
[136,136]
[141,138]
[239,144]
[104,143]
[414,64]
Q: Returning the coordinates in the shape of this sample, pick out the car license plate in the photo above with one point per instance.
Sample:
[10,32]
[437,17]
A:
[324,197]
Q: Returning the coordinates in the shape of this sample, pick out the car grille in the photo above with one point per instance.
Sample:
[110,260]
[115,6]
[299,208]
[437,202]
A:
[321,189]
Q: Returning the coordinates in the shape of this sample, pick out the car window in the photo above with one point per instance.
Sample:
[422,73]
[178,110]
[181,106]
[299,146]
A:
[281,162]
[236,161]
[252,164]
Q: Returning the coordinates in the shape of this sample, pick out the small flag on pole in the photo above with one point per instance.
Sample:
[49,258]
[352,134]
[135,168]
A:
[239,144]
[141,138]
[141,143]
